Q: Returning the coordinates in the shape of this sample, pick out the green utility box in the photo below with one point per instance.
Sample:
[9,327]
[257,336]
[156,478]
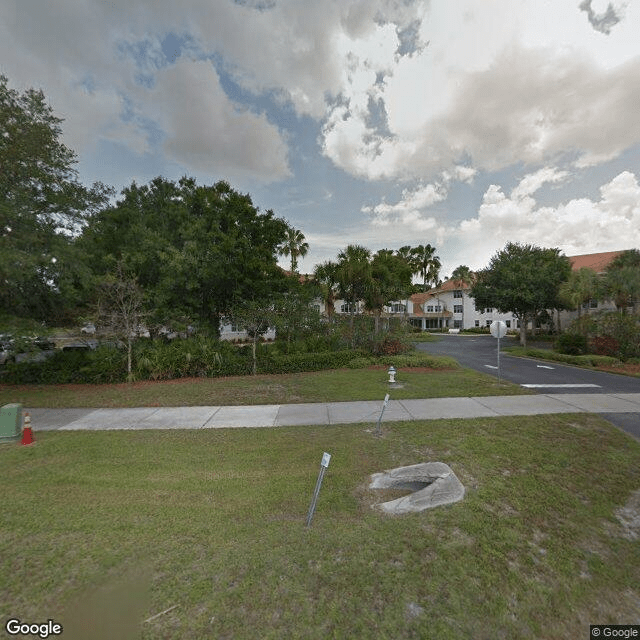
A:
[10,422]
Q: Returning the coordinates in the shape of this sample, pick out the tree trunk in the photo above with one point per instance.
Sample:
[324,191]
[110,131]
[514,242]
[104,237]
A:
[129,358]
[523,331]
[254,368]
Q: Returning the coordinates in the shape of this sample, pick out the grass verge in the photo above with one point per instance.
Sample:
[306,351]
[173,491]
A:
[322,386]
[208,526]
[599,363]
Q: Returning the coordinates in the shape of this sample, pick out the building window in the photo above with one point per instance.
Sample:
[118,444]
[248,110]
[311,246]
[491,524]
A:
[477,323]
[430,309]
[348,307]
[488,310]
[457,293]
[488,323]
[508,323]
[457,324]
[457,308]
[397,307]
[438,308]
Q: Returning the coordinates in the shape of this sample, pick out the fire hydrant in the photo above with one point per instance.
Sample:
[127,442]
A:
[392,374]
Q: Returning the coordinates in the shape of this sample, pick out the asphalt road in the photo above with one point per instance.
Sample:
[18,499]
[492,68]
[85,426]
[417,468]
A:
[481,354]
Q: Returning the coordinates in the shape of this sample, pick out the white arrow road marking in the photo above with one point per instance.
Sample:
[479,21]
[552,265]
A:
[544,366]
[560,386]
[490,366]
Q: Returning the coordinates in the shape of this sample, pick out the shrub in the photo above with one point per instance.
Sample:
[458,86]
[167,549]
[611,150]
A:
[361,362]
[104,365]
[194,357]
[299,362]
[604,329]
[572,344]
[604,346]
[425,360]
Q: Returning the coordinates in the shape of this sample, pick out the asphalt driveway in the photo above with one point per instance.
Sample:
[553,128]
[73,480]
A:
[481,354]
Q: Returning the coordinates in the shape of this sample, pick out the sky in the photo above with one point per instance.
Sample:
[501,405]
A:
[465,124]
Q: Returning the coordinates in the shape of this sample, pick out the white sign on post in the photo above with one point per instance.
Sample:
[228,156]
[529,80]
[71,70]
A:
[326,457]
[498,330]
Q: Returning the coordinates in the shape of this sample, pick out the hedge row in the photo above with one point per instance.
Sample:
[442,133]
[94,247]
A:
[299,362]
[104,365]
[196,359]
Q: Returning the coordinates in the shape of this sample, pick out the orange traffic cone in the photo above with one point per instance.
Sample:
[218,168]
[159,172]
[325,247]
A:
[27,433]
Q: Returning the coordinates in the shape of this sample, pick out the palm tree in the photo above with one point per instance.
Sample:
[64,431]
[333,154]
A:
[622,279]
[427,264]
[326,275]
[581,286]
[390,279]
[463,274]
[294,245]
[354,275]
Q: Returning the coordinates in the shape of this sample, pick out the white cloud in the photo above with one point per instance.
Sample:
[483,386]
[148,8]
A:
[533,181]
[206,131]
[463,88]
[522,88]
[578,226]
[409,210]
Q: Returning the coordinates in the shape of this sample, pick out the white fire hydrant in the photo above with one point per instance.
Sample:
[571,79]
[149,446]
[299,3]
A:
[392,374]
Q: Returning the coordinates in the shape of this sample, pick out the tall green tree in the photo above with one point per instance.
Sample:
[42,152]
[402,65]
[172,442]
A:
[326,276]
[296,318]
[463,274]
[354,275]
[294,245]
[390,280]
[522,279]
[622,280]
[427,265]
[580,287]
[42,207]
[197,251]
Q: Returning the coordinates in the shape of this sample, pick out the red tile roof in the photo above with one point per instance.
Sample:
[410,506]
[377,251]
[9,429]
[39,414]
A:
[596,261]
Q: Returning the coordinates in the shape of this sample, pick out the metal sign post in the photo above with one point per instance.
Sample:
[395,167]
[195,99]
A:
[326,457]
[384,406]
[498,330]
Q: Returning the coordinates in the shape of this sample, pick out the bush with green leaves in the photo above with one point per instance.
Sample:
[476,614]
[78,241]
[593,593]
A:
[103,365]
[610,333]
[574,344]
[299,362]
[194,357]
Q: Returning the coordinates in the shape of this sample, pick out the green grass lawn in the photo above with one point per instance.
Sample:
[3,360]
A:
[322,386]
[210,526]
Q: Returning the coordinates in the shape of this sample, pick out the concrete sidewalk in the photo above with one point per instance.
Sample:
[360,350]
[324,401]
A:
[328,413]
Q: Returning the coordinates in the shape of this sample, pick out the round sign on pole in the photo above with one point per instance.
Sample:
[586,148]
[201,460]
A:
[498,329]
